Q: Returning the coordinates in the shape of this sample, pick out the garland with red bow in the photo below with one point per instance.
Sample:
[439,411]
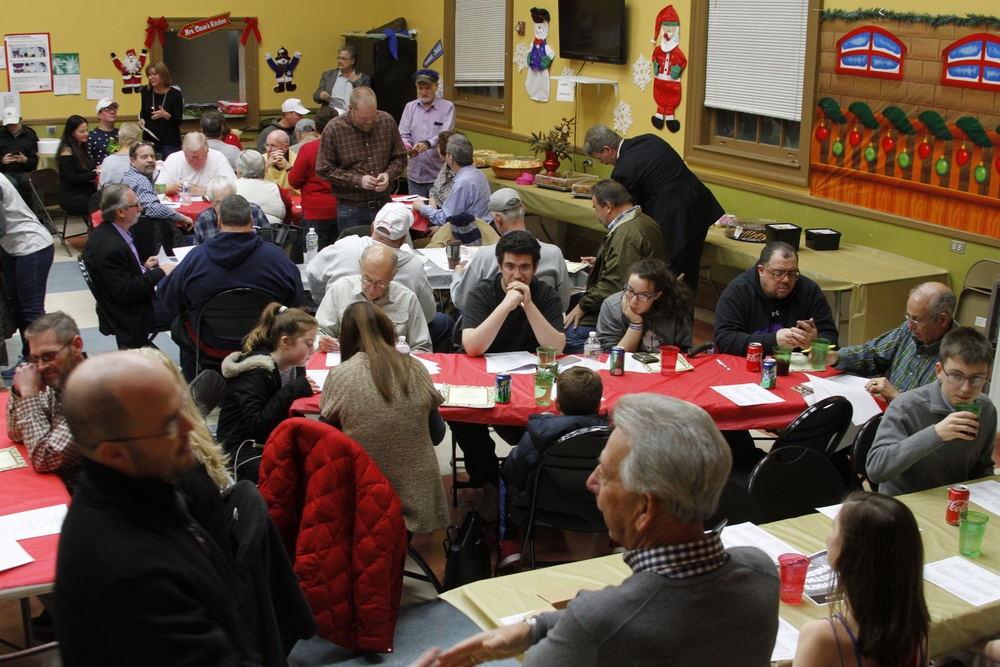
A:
[156,27]
[251,24]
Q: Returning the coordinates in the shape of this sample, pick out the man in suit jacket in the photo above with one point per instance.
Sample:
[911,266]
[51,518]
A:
[659,181]
[337,84]
[124,286]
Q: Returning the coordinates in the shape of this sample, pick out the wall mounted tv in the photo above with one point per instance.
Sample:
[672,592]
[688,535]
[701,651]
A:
[592,30]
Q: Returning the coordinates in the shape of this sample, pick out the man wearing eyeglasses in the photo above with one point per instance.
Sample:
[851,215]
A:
[378,268]
[772,304]
[337,84]
[942,433]
[34,412]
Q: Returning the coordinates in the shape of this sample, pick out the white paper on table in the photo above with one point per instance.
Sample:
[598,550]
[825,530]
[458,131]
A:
[12,554]
[830,510]
[438,256]
[749,535]
[332,359]
[180,252]
[786,642]
[748,394]
[986,495]
[964,580]
[432,366]
[317,376]
[163,258]
[32,523]
[511,362]
[864,405]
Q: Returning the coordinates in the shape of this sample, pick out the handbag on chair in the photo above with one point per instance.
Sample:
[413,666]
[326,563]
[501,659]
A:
[468,554]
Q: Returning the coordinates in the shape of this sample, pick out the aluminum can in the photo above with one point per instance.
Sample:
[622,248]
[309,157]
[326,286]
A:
[501,393]
[769,373]
[616,361]
[958,502]
[755,352]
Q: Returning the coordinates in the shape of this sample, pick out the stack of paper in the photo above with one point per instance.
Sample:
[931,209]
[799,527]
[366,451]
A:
[25,525]
[748,394]
[850,387]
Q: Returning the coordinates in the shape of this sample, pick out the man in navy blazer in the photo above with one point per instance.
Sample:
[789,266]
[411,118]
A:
[124,285]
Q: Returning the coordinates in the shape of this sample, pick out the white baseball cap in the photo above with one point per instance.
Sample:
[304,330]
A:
[294,104]
[11,116]
[105,103]
[393,221]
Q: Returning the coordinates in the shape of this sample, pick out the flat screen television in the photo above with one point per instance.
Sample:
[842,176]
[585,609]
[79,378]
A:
[592,30]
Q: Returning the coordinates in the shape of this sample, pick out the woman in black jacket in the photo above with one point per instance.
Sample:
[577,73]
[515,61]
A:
[162,110]
[262,382]
[77,176]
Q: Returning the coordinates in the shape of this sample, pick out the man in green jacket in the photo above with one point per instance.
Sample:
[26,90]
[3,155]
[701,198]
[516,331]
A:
[632,236]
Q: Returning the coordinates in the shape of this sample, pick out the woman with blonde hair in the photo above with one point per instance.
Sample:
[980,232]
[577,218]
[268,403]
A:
[115,165]
[386,402]
[262,381]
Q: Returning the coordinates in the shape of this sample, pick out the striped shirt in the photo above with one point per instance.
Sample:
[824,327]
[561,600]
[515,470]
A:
[142,186]
[902,359]
[346,154]
[679,561]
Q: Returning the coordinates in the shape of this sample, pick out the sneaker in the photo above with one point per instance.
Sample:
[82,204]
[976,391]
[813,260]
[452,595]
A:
[489,506]
[8,374]
[510,554]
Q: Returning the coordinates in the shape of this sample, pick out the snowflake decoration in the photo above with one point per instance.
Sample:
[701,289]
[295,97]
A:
[521,56]
[623,117]
[568,71]
[642,72]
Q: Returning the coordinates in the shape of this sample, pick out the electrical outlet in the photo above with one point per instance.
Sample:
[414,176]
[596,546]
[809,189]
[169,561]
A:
[958,246]
[588,162]
[51,129]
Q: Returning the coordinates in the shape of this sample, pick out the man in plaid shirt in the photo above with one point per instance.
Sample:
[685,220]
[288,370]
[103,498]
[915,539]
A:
[34,414]
[360,154]
[903,358]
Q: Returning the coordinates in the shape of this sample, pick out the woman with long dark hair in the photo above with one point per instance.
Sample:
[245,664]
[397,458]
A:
[386,402]
[653,309]
[881,618]
[162,109]
[77,175]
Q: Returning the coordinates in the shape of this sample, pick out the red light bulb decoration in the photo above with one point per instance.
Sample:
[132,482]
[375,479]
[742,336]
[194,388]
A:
[924,150]
[822,132]
[888,143]
[962,156]
[854,137]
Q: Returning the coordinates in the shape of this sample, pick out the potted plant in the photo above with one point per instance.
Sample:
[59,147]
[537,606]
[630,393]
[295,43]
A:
[555,144]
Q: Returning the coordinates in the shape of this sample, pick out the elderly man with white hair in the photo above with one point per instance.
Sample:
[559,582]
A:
[278,159]
[390,229]
[251,184]
[207,224]
[659,478]
[195,163]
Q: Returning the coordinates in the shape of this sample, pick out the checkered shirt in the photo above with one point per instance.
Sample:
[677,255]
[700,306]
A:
[346,154]
[38,423]
[679,561]
[897,355]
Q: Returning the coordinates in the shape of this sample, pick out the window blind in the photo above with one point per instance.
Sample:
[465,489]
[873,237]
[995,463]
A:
[756,56]
[480,31]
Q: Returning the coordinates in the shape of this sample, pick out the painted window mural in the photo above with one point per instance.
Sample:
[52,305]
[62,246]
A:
[973,62]
[871,51]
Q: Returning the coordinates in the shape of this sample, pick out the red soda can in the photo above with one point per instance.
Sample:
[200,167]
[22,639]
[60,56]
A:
[958,502]
[755,353]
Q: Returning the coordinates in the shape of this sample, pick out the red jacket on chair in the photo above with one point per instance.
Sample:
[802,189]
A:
[342,524]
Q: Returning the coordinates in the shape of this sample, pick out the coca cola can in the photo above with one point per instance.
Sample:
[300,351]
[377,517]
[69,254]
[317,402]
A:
[958,502]
[755,353]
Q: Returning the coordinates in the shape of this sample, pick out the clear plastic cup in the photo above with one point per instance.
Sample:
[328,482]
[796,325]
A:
[543,387]
[820,351]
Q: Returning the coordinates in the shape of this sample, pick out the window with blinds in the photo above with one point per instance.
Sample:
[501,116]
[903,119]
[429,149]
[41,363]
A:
[480,44]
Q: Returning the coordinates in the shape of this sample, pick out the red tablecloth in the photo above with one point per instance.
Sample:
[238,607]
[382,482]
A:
[693,386]
[197,207]
[21,490]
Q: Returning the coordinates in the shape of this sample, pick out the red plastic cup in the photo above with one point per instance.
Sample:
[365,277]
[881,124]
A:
[793,577]
[668,359]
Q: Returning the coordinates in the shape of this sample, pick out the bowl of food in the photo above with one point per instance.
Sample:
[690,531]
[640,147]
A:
[509,168]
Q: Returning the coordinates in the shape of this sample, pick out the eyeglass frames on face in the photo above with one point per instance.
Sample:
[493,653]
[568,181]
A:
[643,297]
[47,357]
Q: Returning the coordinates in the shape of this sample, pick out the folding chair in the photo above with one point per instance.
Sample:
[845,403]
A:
[45,194]
[862,445]
[230,315]
[820,427]
[793,481]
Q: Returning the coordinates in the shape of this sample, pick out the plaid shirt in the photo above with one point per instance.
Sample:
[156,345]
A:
[206,225]
[346,154]
[897,355]
[38,423]
[679,561]
[142,186]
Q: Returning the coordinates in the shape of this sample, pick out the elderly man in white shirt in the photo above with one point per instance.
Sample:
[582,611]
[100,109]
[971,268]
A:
[195,163]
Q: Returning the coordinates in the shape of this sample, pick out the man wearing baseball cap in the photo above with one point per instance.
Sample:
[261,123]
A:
[422,121]
[18,152]
[292,112]
[305,131]
[105,133]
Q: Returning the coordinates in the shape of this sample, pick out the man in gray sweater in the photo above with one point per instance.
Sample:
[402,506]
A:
[924,440]
[689,600]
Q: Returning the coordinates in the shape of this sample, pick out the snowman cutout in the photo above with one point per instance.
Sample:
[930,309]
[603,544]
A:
[539,58]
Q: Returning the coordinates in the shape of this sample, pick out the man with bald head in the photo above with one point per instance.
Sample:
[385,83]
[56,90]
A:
[378,268]
[360,155]
[195,163]
[904,358]
[138,581]
[277,159]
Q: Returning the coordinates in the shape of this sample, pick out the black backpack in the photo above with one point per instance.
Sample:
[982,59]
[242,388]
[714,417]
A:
[467,552]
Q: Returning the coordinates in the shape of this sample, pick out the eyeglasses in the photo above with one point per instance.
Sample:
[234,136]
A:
[957,380]
[643,297]
[344,59]
[511,268]
[916,321]
[368,282]
[47,357]
[781,275]
[136,205]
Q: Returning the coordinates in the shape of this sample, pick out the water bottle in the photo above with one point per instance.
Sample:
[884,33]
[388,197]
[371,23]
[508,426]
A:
[402,346]
[592,351]
[312,245]
[185,193]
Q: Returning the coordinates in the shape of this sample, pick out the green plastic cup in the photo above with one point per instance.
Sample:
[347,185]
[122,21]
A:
[543,387]
[161,188]
[972,406]
[820,351]
[783,359]
[971,528]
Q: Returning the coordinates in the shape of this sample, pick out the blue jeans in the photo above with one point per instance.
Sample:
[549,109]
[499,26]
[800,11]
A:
[422,189]
[326,230]
[440,330]
[351,216]
[576,337]
[26,277]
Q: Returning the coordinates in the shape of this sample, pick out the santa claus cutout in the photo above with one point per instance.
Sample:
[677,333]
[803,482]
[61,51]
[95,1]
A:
[539,58]
[668,63]
[131,69]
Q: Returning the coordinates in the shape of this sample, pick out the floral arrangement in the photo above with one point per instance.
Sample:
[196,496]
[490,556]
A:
[556,141]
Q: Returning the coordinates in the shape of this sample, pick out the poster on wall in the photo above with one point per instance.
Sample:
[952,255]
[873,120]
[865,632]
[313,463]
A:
[11,100]
[66,73]
[29,63]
